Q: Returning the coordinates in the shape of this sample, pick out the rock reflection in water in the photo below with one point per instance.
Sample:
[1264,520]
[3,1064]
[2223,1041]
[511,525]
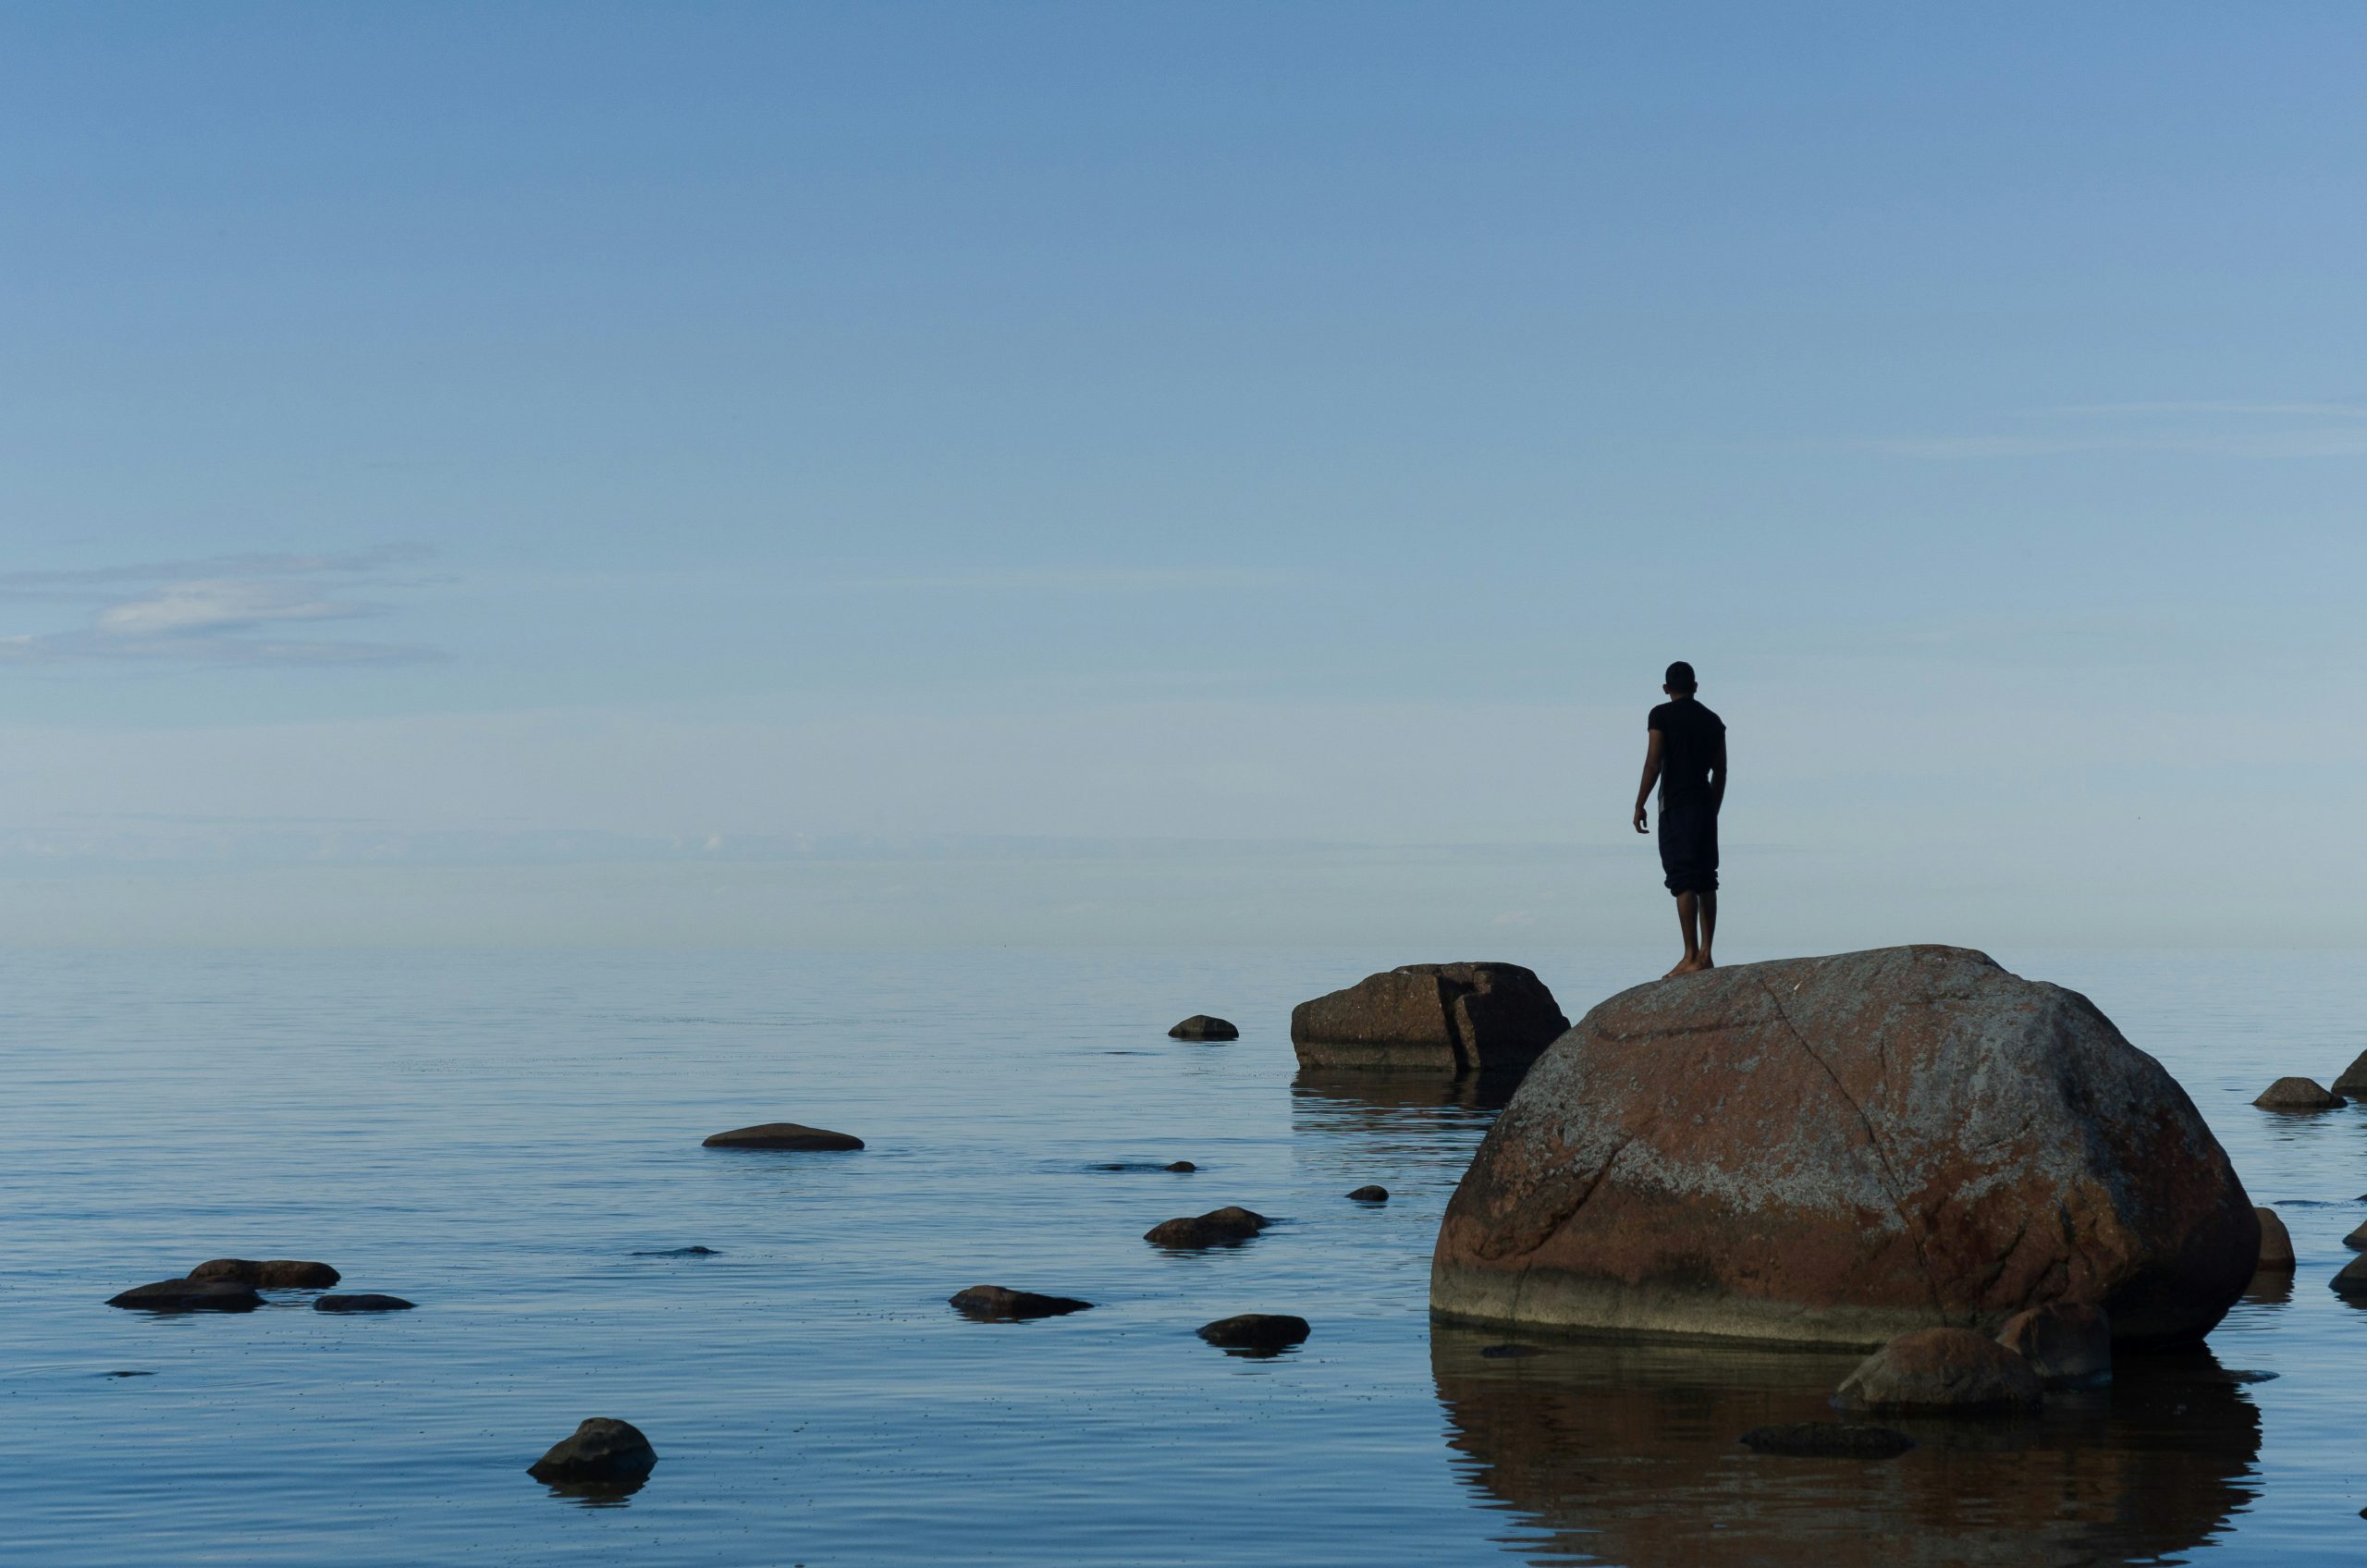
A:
[1628,1454]
[1378,1099]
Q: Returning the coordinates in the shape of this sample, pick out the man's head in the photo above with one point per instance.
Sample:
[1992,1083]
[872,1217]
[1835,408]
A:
[1680,682]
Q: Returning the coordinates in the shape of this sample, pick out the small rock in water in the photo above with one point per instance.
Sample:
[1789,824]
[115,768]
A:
[2275,1244]
[1259,1333]
[2353,1079]
[2252,1377]
[274,1274]
[2352,1281]
[1828,1440]
[362,1300]
[599,1450]
[2357,1239]
[2298,1094]
[995,1304]
[680,1252]
[1183,1165]
[1942,1370]
[127,1373]
[1374,1193]
[781,1136]
[1509,1352]
[1224,1227]
[2066,1344]
[190,1295]
[1200,1026]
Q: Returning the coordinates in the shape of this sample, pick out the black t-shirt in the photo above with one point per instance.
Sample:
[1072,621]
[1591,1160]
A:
[1690,734]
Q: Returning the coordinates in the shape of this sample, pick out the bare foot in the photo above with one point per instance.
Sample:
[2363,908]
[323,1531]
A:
[1685,966]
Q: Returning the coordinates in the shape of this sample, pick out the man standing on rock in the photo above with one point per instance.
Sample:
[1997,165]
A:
[1688,755]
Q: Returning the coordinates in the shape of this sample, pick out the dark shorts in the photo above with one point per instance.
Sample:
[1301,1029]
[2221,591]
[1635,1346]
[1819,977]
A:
[1689,845]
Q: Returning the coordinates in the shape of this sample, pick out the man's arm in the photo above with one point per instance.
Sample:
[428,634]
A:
[1718,776]
[1651,777]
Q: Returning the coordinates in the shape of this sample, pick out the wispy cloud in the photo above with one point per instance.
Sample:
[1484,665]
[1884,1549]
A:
[219,609]
[1082,580]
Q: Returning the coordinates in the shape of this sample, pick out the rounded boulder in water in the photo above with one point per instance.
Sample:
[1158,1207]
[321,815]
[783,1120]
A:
[601,1449]
[1200,1026]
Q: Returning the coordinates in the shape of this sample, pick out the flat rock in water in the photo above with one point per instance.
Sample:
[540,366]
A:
[1256,1331]
[1449,1018]
[1838,1150]
[995,1304]
[2353,1080]
[1375,1193]
[2352,1281]
[601,1449]
[190,1295]
[1218,1228]
[362,1300]
[680,1252]
[271,1274]
[781,1136]
[1942,1370]
[1828,1440]
[2277,1242]
[2068,1346]
[2298,1094]
[1200,1026]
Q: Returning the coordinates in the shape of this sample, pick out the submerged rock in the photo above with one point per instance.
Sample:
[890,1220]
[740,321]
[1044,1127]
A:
[1942,1370]
[1374,1193]
[1837,1150]
[781,1136]
[1459,1018]
[680,1252]
[2277,1242]
[995,1304]
[1828,1440]
[1256,1332]
[1200,1026]
[1224,1227]
[2067,1346]
[2298,1094]
[274,1274]
[600,1449]
[1180,1165]
[190,1295]
[362,1300]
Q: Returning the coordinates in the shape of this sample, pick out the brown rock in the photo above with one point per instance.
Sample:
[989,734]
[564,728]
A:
[190,1295]
[1200,1026]
[1838,1150]
[1941,1369]
[2277,1242]
[1224,1227]
[2067,1346]
[1458,1018]
[2353,1280]
[601,1449]
[1183,1165]
[1259,1332]
[994,1304]
[2352,1081]
[781,1136]
[2298,1094]
[274,1274]
[1374,1193]
[362,1300]
[2357,1239]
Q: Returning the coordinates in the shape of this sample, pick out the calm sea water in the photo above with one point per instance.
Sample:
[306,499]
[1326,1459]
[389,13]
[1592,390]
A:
[499,1136]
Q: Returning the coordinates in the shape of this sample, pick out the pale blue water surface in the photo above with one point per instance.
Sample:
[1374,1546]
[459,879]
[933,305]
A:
[496,1135]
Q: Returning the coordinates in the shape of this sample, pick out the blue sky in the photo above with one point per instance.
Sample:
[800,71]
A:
[960,473]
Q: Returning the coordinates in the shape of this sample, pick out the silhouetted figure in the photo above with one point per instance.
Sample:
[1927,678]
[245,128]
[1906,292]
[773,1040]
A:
[1688,756]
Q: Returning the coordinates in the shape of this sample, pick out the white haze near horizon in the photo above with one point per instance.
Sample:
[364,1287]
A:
[1071,475]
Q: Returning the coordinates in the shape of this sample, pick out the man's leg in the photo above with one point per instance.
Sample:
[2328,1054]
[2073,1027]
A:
[1709,925]
[1689,909]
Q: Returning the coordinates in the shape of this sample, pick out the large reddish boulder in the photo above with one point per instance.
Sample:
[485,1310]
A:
[1839,1150]
[1439,1017]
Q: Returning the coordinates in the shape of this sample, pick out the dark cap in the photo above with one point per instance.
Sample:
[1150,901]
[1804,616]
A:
[1680,677]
